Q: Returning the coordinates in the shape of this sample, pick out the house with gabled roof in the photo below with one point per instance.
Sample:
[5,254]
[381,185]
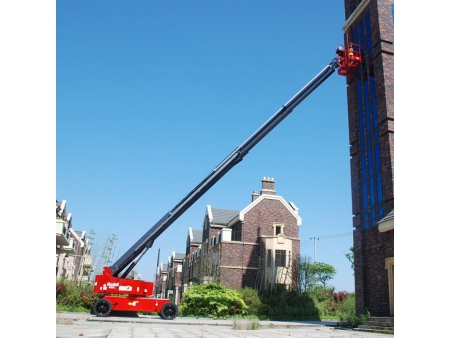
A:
[193,243]
[174,276]
[73,259]
[160,281]
[252,247]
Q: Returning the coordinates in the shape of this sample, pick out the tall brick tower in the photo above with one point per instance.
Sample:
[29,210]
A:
[370,95]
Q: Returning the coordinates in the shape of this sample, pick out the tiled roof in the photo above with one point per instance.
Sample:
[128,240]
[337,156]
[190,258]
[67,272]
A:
[198,236]
[180,255]
[223,216]
[388,217]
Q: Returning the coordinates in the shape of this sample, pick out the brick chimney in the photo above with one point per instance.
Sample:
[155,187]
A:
[254,196]
[268,186]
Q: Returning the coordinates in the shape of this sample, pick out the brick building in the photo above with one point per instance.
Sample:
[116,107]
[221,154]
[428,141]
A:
[160,289]
[251,247]
[73,249]
[370,95]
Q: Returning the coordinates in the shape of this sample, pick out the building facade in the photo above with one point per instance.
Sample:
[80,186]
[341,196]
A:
[253,247]
[370,95]
[73,250]
[159,288]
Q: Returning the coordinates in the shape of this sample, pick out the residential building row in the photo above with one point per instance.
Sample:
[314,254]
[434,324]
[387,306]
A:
[73,250]
[254,247]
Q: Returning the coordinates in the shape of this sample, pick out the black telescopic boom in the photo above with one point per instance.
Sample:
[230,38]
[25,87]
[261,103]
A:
[135,253]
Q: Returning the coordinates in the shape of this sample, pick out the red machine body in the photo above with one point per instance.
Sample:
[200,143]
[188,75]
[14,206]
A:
[108,284]
[136,304]
[123,294]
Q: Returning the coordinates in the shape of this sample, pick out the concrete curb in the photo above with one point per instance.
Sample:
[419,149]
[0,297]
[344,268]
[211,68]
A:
[146,319]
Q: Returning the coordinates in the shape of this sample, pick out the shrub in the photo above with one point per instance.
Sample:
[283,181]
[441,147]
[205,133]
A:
[251,299]
[88,299]
[339,296]
[351,319]
[71,296]
[212,300]
[282,304]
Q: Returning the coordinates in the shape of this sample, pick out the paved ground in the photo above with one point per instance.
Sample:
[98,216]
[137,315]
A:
[71,325]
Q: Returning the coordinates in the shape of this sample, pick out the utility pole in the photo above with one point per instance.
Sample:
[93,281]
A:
[315,247]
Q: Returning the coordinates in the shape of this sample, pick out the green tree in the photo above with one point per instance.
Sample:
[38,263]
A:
[323,272]
[306,273]
[351,257]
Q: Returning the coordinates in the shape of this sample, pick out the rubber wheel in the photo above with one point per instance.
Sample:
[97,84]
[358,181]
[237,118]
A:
[168,311]
[102,308]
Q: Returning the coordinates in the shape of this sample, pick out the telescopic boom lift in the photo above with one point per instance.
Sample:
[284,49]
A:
[124,294]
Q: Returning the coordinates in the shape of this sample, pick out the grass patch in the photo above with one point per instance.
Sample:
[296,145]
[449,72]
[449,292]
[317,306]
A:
[246,324]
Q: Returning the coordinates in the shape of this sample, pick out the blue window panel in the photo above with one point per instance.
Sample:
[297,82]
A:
[367,109]
[369,141]
[370,159]
[366,221]
[379,188]
[374,222]
[374,112]
[355,34]
[363,165]
[372,192]
[372,85]
[361,122]
[380,213]
[366,91]
[365,199]
[375,136]
[361,30]
[392,13]
[369,35]
[359,93]
[377,157]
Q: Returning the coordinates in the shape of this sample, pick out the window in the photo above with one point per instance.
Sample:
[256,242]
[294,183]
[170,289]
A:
[371,185]
[236,235]
[278,229]
[280,258]
[269,258]
[392,13]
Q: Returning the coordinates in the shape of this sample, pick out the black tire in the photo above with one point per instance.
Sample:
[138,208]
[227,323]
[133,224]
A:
[168,311]
[102,308]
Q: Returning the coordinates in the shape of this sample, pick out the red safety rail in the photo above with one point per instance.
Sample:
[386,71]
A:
[350,56]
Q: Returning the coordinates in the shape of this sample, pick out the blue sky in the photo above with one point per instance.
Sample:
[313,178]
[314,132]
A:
[152,95]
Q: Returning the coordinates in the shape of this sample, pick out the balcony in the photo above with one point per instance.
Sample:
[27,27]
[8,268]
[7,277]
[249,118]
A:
[68,249]
[87,263]
[62,234]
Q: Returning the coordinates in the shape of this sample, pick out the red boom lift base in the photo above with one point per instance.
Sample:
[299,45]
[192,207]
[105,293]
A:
[123,294]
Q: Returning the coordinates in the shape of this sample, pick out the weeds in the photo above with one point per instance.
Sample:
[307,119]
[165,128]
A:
[246,324]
